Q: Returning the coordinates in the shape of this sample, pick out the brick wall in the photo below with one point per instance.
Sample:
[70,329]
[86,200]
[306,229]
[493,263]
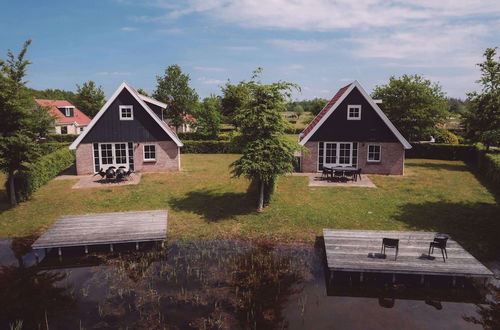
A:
[84,159]
[167,158]
[392,158]
[391,161]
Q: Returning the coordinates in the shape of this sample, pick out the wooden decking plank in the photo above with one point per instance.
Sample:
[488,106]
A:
[352,250]
[105,228]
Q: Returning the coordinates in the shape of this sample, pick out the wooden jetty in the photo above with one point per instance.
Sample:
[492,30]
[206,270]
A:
[104,228]
[359,251]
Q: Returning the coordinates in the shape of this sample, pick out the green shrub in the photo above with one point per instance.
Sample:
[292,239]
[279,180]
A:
[445,136]
[49,147]
[210,147]
[488,166]
[442,151]
[195,136]
[35,175]
[62,137]
[293,130]
[292,121]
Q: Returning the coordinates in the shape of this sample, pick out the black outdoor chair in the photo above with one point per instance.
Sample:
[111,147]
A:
[338,175]
[357,174]
[392,243]
[110,173]
[120,173]
[327,172]
[440,243]
[350,175]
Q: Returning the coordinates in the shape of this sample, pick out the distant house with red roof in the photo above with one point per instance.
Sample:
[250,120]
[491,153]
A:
[68,119]
[352,131]
[128,131]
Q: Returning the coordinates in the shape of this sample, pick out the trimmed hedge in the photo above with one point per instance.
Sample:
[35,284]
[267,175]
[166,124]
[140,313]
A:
[293,130]
[35,175]
[49,147]
[62,137]
[488,165]
[195,136]
[210,147]
[442,151]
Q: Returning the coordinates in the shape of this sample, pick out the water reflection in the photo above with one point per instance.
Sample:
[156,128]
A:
[222,285]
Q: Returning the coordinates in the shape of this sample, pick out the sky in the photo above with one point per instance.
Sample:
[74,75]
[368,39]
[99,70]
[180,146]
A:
[321,45]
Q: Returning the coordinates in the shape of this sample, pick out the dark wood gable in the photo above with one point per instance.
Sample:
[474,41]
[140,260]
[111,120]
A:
[109,128]
[370,128]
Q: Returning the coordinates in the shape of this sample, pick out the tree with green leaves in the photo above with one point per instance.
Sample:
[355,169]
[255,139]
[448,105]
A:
[482,117]
[233,96]
[414,105]
[173,89]
[142,92]
[23,122]
[267,154]
[298,110]
[89,98]
[208,117]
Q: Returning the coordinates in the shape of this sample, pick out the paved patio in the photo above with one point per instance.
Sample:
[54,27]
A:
[316,181]
[90,181]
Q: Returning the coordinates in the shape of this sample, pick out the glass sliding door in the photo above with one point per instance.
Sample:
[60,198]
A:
[113,154]
[331,154]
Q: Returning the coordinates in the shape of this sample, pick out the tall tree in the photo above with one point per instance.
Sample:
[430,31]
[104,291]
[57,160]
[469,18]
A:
[23,122]
[173,88]
[267,154]
[208,116]
[233,96]
[89,98]
[415,105]
[482,117]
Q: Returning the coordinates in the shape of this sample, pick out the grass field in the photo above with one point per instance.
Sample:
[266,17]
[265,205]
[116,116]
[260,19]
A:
[205,202]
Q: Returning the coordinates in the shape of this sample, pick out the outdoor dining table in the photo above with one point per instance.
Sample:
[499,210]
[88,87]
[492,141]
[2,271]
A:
[340,169]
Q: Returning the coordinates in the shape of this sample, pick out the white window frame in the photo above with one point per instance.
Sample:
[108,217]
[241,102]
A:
[144,153]
[122,107]
[67,111]
[113,155]
[379,153]
[337,154]
[353,106]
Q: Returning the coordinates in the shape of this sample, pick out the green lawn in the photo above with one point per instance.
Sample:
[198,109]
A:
[204,202]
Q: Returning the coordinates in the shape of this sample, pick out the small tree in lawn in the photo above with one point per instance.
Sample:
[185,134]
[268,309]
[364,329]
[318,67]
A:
[208,117]
[298,110]
[266,153]
[23,123]
[173,88]
[482,116]
[89,98]
[413,104]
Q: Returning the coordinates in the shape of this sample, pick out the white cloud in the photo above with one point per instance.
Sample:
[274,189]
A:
[129,29]
[299,45]
[113,73]
[324,15]
[209,68]
[210,81]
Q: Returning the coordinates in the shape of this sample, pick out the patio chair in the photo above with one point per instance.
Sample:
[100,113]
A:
[440,243]
[326,173]
[392,243]
[357,174]
[350,175]
[338,175]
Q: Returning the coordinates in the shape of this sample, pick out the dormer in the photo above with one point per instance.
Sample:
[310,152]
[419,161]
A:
[67,111]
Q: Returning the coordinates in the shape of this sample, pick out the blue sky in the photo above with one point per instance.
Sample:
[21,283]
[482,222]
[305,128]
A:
[320,45]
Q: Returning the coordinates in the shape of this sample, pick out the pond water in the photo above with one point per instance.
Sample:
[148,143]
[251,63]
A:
[223,285]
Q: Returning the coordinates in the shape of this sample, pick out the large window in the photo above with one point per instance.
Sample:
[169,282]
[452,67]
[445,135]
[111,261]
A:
[337,154]
[374,153]
[113,154]
[353,112]
[126,112]
[149,152]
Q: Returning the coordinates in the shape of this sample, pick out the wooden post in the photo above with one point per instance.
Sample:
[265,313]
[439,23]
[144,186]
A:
[162,244]
[421,279]
[59,251]
[111,247]
[137,246]
[86,249]
[361,277]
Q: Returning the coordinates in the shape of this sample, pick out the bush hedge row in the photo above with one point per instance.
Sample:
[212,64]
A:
[195,136]
[210,147]
[62,137]
[35,175]
[49,147]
